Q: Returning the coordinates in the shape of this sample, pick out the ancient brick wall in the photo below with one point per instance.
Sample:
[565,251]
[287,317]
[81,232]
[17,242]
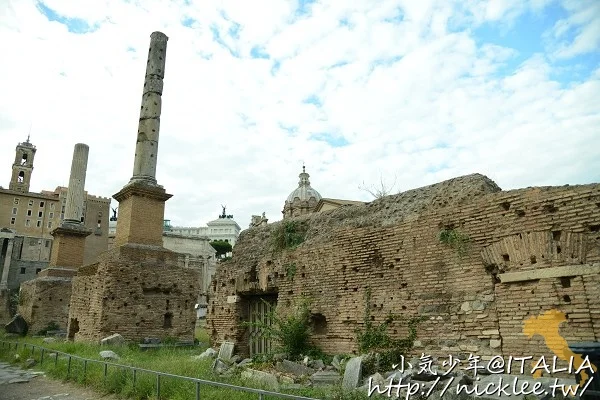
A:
[68,251]
[392,246]
[136,291]
[45,300]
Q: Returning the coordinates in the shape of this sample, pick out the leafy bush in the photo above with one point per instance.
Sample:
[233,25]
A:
[291,332]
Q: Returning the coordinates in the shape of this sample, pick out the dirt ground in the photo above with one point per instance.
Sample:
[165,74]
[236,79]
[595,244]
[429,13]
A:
[18,384]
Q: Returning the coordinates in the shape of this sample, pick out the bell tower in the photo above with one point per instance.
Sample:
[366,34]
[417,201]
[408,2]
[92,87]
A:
[22,167]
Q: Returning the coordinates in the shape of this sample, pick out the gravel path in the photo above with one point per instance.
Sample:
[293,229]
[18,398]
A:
[20,384]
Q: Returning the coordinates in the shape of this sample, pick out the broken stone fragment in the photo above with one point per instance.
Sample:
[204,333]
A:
[264,379]
[208,353]
[115,339]
[353,373]
[108,354]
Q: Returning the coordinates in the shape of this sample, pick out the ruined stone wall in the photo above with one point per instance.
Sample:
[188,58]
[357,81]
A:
[45,300]
[392,246]
[136,291]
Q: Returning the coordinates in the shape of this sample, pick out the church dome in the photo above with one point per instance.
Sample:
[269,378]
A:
[304,191]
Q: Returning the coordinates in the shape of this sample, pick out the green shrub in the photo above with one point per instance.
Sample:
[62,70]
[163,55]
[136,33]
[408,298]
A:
[372,338]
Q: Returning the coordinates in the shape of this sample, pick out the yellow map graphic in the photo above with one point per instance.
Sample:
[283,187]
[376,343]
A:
[547,325]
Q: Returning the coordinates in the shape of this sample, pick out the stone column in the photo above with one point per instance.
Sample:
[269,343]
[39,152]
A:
[6,267]
[146,149]
[142,200]
[76,190]
[69,238]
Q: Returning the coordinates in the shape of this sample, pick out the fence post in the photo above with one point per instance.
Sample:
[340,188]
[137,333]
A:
[134,377]
[42,356]
[105,367]
[84,369]
[158,386]
[69,367]
[197,390]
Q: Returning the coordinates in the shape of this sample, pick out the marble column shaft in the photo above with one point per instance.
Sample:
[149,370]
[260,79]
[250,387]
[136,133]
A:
[76,190]
[146,149]
[6,267]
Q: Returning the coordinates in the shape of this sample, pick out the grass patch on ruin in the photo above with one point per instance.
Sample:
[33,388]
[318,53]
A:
[454,239]
[177,361]
[287,235]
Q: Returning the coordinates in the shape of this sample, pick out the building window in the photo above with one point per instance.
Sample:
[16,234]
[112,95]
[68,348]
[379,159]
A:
[51,215]
[62,216]
[40,214]
[30,203]
[81,219]
[16,201]
[21,177]
[63,209]
[12,221]
[15,210]
[27,222]
[37,270]
[41,204]
[22,270]
[52,206]
[50,225]
[29,213]
[39,223]
[47,243]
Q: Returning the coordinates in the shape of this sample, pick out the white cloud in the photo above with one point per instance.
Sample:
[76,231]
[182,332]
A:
[413,98]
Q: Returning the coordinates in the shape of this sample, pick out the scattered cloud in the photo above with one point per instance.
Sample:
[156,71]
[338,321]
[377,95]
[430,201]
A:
[416,92]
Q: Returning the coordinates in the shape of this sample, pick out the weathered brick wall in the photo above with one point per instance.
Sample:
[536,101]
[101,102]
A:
[45,300]
[136,291]
[392,246]
[68,250]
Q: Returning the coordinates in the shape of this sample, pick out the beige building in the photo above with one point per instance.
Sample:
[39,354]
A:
[31,217]
[306,200]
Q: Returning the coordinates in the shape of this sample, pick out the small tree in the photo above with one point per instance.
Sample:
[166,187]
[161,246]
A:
[222,247]
[382,190]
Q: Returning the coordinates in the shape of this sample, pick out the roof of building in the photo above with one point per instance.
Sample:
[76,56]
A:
[304,191]
[337,202]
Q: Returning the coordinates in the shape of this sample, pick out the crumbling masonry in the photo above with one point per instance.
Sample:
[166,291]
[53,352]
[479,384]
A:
[522,252]
[45,300]
[138,289]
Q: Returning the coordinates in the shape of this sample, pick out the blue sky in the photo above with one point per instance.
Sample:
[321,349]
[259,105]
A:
[407,92]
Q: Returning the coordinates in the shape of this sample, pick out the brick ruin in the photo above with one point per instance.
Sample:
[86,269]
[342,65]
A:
[138,288]
[528,251]
[45,300]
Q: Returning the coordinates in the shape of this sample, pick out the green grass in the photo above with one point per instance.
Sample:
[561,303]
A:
[176,361]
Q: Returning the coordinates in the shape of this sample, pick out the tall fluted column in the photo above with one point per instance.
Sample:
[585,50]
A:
[146,149]
[76,190]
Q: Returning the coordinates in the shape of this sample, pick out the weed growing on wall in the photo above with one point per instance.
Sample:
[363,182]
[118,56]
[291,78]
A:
[455,239]
[375,338]
[287,236]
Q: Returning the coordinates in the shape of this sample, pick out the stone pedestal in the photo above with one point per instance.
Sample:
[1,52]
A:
[69,245]
[141,214]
